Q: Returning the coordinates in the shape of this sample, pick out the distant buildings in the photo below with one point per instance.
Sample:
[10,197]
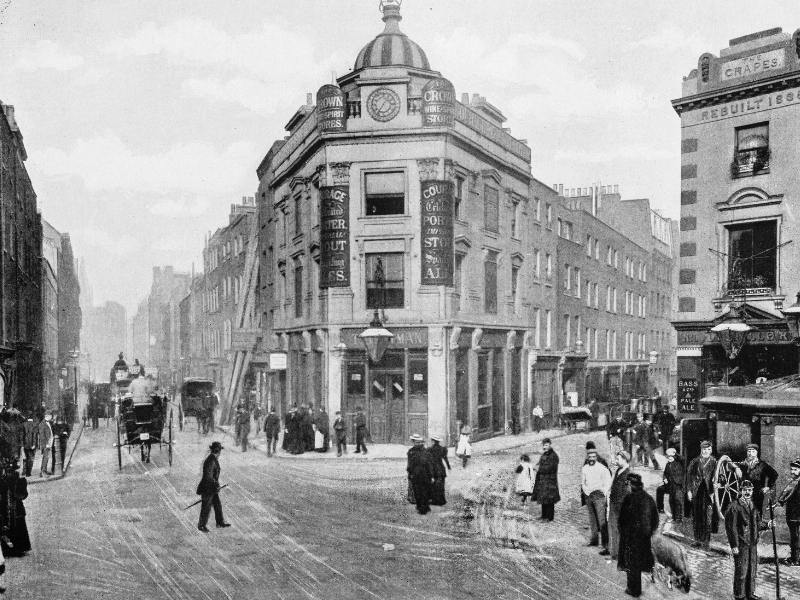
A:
[154,328]
[103,337]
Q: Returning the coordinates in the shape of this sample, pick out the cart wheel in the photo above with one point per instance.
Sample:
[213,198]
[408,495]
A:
[119,448]
[169,449]
[726,485]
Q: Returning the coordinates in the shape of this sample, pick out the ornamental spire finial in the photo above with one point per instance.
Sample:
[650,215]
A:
[391,15]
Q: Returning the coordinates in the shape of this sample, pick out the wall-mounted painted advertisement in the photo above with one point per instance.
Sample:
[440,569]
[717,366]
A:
[334,263]
[331,109]
[438,103]
[436,216]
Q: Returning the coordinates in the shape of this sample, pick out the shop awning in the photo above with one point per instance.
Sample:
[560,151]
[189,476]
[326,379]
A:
[790,403]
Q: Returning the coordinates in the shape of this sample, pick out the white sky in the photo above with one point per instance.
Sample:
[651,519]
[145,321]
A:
[145,119]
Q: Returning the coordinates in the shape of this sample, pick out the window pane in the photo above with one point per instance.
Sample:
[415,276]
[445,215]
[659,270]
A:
[491,208]
[389,294]
[490,284]
[385,193]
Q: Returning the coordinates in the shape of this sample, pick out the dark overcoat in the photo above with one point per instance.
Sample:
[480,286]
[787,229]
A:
[638,521]
[762,475]
[545,488]
[272,425]
[209,484]
[790,498]
[620,489]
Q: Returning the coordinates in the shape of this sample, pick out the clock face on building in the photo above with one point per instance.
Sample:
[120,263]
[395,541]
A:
[383,104]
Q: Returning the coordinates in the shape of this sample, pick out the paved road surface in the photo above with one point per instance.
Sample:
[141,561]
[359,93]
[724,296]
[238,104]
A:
[319,529]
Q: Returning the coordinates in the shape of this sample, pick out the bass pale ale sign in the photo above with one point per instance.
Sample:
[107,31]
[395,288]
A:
[436,216]
[334,263]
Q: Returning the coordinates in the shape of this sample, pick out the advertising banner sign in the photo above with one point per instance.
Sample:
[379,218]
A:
[438,103]
[687,395]
[436,217]
[334,264]
[331,109]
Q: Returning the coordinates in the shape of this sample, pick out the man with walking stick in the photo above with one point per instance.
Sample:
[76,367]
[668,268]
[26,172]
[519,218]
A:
[743,525]
[208,489]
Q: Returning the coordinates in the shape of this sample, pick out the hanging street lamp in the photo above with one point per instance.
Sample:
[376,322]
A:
[376,338]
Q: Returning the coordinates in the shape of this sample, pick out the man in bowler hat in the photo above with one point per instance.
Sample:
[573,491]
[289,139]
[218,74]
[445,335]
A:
[208,489]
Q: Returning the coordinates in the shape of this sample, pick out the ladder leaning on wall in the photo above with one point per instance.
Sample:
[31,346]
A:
[245,319]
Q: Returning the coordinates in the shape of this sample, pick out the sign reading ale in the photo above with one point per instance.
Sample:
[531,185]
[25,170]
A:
[436,216]
[438,103]
[687,395]
[331,109]
[334,263]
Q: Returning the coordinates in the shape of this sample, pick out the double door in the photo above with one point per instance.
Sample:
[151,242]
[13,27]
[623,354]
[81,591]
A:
[387,406]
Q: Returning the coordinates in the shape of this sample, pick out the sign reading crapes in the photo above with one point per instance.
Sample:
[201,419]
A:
[334,263]
[436,216]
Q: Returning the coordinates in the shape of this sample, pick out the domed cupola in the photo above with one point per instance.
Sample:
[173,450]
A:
[392,47]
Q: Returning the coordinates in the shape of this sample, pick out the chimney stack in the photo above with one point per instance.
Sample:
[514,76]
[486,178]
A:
[464,98]
[309,100]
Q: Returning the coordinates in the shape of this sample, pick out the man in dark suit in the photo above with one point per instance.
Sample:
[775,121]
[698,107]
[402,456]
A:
[620,488]
[759,472]
[672,484]
[272,427]
[361,431]
[208,489]
[743,525]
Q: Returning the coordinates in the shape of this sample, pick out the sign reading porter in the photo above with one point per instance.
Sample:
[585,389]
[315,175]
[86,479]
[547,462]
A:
[436,216]
[334,263]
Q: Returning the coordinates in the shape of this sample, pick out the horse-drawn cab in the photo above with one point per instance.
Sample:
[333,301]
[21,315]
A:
[142,424]
[199,400]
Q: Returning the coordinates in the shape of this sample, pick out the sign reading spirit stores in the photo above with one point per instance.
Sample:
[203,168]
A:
[436,217]
[331,113]
[334,262]
[687,395]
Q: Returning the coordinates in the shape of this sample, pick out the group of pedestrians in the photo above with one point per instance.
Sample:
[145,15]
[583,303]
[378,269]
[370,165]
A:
[305,429]
[21,436]
[427,470]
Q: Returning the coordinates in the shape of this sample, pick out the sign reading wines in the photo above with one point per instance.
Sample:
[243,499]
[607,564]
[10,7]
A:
[438,103]
[436,217]
[334,264]
[687,395]
[331,113]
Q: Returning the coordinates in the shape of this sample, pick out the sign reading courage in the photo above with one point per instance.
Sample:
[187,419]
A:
[334,261]
[436,216]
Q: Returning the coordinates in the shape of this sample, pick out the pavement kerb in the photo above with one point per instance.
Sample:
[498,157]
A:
[67,463]
[552,434]
[712,547]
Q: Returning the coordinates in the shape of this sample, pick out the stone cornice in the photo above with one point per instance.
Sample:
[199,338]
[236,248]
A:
[739,92]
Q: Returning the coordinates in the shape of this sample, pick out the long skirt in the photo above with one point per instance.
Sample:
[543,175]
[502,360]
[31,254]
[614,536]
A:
[437,492]
[19,537]
[419,493]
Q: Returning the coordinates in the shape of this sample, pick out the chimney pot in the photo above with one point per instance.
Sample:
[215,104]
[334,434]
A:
[309,101]
[464,98]
[475,98]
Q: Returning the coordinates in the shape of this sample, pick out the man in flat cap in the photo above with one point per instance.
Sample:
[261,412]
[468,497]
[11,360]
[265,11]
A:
[761,474]
[620,488]
[638,521]
[208,489]
[672,484]
[595,485]
[700,487]
[743,526]
[790,500]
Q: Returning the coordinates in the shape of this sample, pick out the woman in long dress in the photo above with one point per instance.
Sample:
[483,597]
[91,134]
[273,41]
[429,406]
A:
[438,462]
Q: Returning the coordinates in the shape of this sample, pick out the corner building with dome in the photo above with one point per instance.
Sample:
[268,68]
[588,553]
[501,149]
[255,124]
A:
[389,198]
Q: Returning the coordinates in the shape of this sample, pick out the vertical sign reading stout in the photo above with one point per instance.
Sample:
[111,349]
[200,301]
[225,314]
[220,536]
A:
[436,216]
[334,262]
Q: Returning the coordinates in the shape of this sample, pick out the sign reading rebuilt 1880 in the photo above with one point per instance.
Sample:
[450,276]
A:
[436,215]
[334,264]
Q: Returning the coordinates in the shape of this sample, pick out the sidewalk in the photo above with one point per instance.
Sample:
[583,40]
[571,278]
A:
[72,444]
[488,446]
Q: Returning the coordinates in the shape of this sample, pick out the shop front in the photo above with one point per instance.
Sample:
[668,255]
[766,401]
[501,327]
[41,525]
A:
[393,393]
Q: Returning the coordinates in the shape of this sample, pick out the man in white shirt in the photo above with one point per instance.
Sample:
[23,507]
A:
[595,484]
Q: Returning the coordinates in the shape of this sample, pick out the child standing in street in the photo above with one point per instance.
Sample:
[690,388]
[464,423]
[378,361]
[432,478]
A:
[463,448]
[340,429]
[524,484]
